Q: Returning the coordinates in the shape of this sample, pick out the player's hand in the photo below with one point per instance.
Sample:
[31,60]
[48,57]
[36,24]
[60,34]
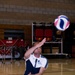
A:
[41,43]
[30,73]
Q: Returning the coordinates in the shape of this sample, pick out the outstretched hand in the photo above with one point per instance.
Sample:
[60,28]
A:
[41,43]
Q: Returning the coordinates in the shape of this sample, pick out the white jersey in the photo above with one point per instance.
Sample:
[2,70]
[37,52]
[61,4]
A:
[41,61]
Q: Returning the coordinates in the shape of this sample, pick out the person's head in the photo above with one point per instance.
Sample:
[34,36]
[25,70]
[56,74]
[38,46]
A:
[37,51]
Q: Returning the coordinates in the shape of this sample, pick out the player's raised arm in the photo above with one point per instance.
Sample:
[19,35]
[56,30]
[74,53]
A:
[31,50]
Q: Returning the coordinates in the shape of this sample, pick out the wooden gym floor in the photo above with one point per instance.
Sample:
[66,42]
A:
[55,67]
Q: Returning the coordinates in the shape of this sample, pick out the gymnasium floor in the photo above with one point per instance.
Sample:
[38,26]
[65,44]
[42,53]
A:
[55,67]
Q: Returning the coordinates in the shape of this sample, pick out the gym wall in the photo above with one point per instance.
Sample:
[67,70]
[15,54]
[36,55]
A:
[20,14]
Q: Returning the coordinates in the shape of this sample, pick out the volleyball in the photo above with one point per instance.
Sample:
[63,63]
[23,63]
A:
[62,22]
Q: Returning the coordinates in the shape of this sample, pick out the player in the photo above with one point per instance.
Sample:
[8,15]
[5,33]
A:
[36,64]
